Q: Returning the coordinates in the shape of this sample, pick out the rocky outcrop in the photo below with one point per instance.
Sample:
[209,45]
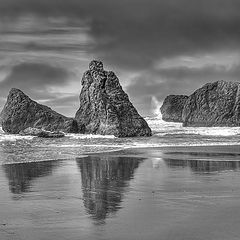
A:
[215,104]
[105,108]
[172,108]
[41,133]
[20,112]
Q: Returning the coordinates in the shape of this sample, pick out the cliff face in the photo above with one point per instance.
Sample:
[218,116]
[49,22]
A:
[215,104]
[105,108]
[20,112]
[172,108]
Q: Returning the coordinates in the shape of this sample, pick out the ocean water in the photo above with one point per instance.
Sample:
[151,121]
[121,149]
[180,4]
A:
[17,149]
[179,184]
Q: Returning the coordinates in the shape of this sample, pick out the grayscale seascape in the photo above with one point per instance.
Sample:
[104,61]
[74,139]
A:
[119,119]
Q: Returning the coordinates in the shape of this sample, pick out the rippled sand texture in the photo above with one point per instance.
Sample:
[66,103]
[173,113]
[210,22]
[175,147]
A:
[171,193]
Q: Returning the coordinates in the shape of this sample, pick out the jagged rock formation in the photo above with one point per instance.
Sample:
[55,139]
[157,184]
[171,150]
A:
[20,112]
[215,104]
[172,107]
[105,108]
[41,133]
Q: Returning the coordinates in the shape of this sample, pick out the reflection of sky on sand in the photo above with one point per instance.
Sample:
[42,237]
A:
[157,162]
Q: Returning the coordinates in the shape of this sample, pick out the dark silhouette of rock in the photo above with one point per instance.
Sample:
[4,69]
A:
[202,166]
[41,133]
[20,112]
[215,104]
[105,108]
[172,107]
[21,175]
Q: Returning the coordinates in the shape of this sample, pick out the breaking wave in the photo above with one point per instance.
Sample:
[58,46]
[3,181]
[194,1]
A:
[161,128]
[15,148]
[89,136]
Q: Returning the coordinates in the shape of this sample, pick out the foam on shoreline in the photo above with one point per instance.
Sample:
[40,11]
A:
[88,136]
[14,137]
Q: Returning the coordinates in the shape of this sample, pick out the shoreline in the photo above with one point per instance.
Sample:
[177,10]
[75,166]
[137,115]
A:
[148,152]
[106,192]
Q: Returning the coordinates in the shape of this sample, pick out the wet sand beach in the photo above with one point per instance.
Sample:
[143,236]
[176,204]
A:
[155,193]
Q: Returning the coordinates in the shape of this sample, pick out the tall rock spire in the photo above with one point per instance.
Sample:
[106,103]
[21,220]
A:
[105,108]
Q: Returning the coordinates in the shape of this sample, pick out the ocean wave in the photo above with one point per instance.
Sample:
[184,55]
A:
[203,131]
[75,145]
[193,144]
[90,136]
[216,131]
[13,137]
[162,128]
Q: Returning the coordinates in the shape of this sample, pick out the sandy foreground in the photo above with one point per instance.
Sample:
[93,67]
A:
[160,193]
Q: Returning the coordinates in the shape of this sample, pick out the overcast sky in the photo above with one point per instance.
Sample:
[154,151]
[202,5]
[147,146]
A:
[156,47]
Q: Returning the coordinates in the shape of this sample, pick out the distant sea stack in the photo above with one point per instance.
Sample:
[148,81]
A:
[105,108]
[215,104]
[172,108]
[21,112]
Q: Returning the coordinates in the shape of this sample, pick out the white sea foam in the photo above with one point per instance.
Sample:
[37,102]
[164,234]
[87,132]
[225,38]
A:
[214,131]
[224,132]
[116,147]
[13,138]
[193,144]
[162,128]
[86,136]
[74,145]
[157,124]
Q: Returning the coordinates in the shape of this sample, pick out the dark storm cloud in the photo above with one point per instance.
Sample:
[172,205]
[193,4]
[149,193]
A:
[134,33]
[202,74]
[32,46]
[130,36]
[32,76]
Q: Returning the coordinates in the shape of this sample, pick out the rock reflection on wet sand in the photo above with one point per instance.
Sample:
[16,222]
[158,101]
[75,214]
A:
[104,180]
[21,175]
[133,194]
[205,164]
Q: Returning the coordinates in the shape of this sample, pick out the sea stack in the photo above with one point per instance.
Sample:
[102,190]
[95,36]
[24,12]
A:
[215,104]
[21,112]
[172,108]
[105,108]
